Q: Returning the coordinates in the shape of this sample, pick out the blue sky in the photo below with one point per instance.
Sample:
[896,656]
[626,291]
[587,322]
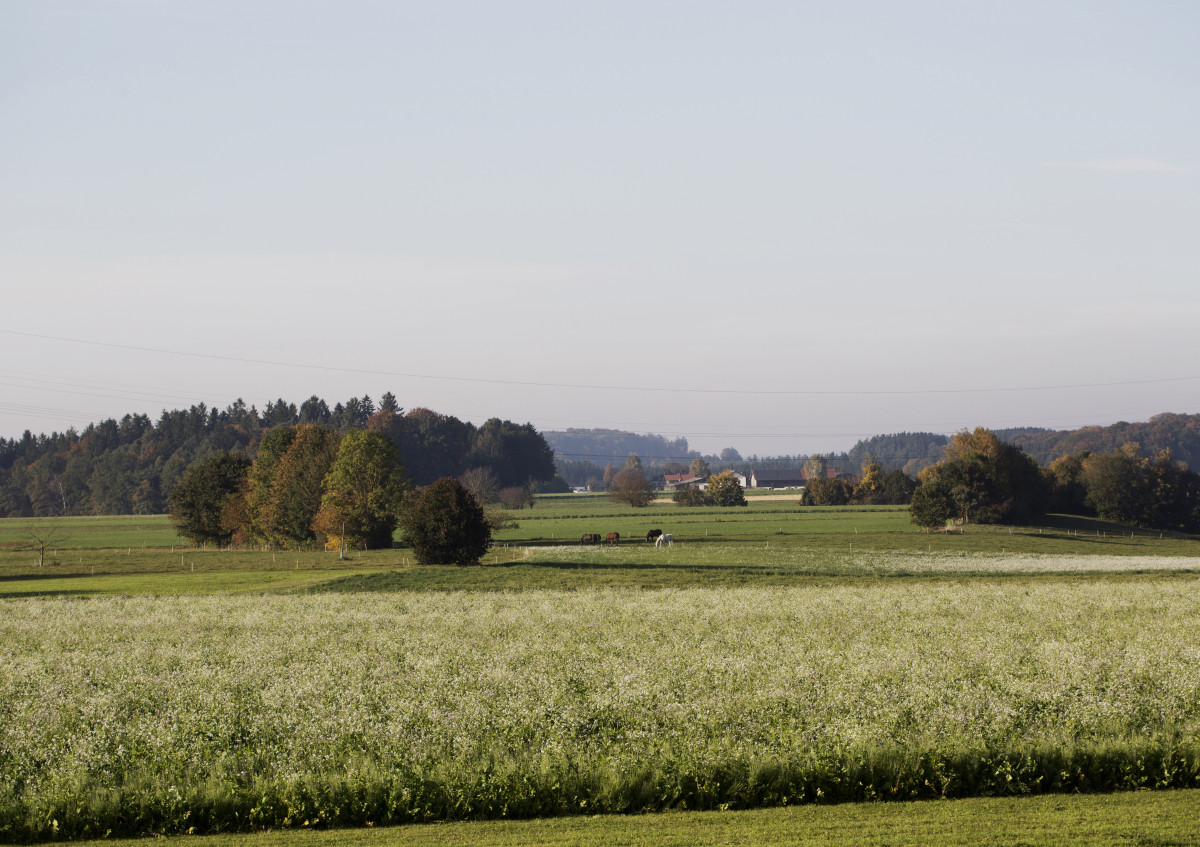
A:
[774,226]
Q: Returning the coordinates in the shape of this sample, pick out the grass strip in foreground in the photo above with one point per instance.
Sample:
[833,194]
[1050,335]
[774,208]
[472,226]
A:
[1135,818]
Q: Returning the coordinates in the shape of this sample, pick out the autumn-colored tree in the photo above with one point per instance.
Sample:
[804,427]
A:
[878,487]
[630,486]
[259,485]
[445,526]
[364,491]
[298,485]
[633,462]
[988,480]
[723,489]
[1068,493]
[699,468]
[609,473]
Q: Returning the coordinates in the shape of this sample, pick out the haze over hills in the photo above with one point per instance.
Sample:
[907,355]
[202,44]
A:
[907,451]
[130,465]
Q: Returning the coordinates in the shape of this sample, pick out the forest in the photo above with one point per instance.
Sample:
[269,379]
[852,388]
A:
[131,465]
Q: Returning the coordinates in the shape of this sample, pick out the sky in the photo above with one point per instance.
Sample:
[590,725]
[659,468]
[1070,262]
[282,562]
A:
[775,226]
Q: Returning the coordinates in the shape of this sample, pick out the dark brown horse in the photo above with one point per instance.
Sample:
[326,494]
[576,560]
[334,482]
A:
[653,534]
[590,538]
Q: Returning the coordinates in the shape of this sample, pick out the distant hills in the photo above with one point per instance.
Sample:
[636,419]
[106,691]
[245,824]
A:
[907,451]
[1169,431]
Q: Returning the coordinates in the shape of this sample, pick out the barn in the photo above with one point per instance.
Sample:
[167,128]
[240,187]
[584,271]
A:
[787,478]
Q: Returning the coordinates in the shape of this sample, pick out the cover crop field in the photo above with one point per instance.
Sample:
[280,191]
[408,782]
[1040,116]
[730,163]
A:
[178,691]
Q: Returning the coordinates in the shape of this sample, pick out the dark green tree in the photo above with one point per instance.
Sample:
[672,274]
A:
[198,500]
[516,453]
[932,505]
[445,526]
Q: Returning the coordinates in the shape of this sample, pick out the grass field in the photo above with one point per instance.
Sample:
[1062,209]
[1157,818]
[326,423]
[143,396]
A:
[1130,819]
[773,655]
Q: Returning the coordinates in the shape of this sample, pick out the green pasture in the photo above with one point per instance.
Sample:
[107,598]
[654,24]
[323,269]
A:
[93,533]
[769,542]
[1136,819]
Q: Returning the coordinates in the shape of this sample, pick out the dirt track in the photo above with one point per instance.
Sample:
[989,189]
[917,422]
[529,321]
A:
[753,498]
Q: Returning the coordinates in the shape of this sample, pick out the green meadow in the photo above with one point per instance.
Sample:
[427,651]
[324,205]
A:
[774,656]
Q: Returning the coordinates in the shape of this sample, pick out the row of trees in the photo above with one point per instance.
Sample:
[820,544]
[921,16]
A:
[874,487]
[985,480]
[132,465]
[307,482]
[311,483]
[1126,487]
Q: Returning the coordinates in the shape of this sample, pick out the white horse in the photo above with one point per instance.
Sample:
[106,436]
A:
[665,538]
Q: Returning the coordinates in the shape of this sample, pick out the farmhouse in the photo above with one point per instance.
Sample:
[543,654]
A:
[675,481]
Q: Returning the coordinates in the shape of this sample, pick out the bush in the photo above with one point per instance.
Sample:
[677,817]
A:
[826,492]
[932,505]
[689,497]
[445,526]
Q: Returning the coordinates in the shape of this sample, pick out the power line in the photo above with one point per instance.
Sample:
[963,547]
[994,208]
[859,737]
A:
[597,387]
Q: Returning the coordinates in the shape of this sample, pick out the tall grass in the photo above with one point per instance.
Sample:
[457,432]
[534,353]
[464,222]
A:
[138,715]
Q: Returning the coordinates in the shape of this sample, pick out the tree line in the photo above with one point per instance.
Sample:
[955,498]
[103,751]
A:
[983,479]
[311,484]
[132,465]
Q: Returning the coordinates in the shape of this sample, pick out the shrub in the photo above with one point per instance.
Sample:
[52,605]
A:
[445,526]
[689,496]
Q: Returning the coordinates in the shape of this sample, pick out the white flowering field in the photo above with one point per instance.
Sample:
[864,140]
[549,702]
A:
[209,713]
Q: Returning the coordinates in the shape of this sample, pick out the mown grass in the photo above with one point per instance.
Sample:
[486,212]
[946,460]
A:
[1134,819]
[94,533]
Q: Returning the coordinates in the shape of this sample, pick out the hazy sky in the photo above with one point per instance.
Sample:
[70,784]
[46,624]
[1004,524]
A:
[774,226]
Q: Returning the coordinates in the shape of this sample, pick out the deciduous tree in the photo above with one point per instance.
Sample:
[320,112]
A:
[364,491]
[46,535]
[723,489]
[631,487]
[298,485]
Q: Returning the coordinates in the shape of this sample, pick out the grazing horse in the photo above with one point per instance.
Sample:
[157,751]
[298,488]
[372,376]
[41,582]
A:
[664,538]
[612,538]
[590,538]
[653,534]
